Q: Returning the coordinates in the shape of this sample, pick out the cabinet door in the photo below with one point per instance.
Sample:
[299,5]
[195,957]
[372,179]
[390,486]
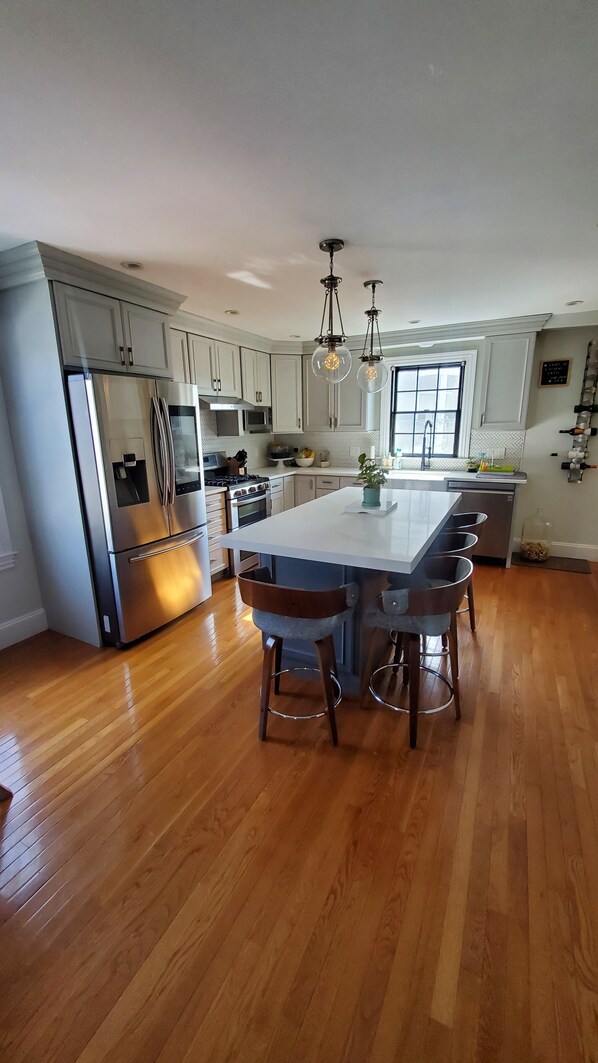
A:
[289,492]
[277,502]
[506,375]
[248,375]
[286,393]
[262,378]
[305,489]
[318,400]
[179,356]
[229,369]
[147,340]
[350,402]
[90,327]
[203,364]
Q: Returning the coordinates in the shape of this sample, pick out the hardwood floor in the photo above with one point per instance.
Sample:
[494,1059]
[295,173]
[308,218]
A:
[172,889]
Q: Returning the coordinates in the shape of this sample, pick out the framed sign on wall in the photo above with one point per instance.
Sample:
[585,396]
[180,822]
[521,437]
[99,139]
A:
[554,373]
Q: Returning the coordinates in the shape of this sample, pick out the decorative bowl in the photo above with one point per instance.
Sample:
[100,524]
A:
[304,463]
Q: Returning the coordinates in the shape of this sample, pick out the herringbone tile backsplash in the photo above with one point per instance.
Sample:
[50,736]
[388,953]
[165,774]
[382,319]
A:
[344,447]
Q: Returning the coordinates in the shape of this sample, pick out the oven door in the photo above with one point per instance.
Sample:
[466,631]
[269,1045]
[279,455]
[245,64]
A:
[243,512]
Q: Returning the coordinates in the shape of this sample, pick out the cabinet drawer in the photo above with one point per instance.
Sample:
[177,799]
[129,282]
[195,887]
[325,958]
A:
[349,481]
[215,504]
[329,483]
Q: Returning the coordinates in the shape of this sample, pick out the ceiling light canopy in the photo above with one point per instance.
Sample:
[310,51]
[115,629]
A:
[331,359]
[372,374]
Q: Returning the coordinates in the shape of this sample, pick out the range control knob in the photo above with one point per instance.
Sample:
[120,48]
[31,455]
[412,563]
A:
[237,493]
[251,489]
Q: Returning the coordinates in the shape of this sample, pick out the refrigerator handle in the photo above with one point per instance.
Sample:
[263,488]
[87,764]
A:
[165,549]
[159,458]
[170,451]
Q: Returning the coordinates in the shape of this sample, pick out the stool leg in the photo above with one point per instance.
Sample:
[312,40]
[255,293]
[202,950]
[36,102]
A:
[267,669]
[454,656]
[414,651]
[325,650]
[277,664]
[375,649]
[5,793]
[471,605]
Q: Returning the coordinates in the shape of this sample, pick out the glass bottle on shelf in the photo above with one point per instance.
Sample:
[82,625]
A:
[536,538]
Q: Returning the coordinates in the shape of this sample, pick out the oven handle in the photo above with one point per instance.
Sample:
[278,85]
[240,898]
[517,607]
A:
[236,502]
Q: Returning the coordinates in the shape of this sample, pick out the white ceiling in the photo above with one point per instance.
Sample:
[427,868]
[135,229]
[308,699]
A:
[453,145]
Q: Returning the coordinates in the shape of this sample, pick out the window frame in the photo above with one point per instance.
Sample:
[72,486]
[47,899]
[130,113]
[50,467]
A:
[408,358]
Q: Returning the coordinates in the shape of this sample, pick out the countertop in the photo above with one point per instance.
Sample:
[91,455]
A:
[215,490]
[393,474]
[321,531]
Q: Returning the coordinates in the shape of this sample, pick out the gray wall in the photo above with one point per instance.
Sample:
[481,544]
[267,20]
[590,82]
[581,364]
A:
[572,508]
[21,610]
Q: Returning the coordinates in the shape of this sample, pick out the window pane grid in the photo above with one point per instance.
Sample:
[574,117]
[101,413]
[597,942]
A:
[426,393]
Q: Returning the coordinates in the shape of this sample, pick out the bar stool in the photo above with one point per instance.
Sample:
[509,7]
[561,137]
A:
[413,612]
[288,612]
[466,522]
[457,544]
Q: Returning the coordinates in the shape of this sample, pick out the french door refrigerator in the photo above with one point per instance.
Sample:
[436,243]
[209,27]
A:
[141,473]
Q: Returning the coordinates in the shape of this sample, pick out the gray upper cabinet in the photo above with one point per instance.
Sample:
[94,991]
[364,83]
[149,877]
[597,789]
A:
[505,383]
[179,356]
[340,407]
[286,393]
[255,372]
[100,332]
[215,366]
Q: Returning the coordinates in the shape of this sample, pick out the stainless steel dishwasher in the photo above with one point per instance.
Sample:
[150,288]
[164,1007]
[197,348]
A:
[496,500]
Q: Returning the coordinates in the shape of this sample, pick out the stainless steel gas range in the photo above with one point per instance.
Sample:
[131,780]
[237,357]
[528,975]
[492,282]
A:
[247,501]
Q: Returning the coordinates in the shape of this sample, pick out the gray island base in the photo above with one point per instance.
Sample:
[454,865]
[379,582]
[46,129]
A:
[318,546]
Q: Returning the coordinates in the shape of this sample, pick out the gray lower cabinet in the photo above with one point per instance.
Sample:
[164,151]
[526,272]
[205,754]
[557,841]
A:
[100,332]
[305,489]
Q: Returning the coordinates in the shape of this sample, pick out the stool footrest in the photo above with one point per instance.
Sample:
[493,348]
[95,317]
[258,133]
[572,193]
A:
[311,715]
[399,708]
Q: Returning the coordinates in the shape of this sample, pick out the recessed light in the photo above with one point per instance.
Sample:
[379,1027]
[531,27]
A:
[132,265]
[574,302]
[294,336]
[414,321]
[233,313]
[429,344]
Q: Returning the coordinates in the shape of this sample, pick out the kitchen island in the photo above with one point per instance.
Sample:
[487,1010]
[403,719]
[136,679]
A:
[319,545]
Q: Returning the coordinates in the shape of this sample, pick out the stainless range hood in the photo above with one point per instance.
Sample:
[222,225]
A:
[223,402]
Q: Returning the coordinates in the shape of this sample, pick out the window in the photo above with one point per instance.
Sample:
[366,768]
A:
[436,386]
[429,395]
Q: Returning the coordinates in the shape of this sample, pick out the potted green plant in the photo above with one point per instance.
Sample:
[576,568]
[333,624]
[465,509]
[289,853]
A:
[373,478]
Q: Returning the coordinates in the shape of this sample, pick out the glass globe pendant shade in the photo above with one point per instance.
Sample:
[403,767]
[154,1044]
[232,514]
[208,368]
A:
[372,375]
[331,362]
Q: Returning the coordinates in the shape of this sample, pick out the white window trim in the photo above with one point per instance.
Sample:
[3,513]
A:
[7,554]
[469,358]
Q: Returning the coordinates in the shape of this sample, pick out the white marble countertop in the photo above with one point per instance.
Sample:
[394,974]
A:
[393,474]
[321,531]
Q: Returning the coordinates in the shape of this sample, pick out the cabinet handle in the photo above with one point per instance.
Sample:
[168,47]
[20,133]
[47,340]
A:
[122,356]
[482,418]
[298,422]
[130,353]
[219,384]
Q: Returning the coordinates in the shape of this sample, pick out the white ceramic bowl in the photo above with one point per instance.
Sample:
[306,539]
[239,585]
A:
[304,463]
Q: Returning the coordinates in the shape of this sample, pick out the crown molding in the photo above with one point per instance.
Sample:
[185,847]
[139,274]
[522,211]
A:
[215,330]
[580,319]
[37,261]
[465,330]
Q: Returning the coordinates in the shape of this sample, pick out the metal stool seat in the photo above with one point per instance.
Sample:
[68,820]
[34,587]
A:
[288,612]
[414,612]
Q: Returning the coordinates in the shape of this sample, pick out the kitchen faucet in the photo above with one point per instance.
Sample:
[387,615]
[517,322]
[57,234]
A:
[425,462]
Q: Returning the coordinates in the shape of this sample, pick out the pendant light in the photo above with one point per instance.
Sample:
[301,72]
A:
[372,374]
[331,359]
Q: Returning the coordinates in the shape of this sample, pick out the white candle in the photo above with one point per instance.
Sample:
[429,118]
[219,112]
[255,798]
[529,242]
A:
[373,453]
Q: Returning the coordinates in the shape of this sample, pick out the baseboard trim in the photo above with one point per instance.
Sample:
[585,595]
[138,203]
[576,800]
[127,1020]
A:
[22,627]
[582,550]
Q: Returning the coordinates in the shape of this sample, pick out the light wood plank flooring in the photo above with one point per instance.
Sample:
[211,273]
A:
[174,890]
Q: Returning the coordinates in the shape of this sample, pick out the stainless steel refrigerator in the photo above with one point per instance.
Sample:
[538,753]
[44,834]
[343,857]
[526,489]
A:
[141,472]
